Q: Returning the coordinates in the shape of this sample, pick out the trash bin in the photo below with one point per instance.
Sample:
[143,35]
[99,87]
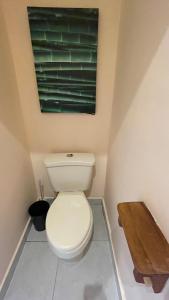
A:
[38,211]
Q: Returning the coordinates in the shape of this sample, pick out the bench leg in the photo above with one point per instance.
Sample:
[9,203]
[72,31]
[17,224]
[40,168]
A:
[158,282]
[138,277]
[120,224]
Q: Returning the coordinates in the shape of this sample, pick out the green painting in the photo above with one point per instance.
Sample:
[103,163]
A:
[64,42]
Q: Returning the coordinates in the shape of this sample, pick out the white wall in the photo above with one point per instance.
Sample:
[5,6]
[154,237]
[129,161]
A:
[138,161]
[17,188]
[65,132]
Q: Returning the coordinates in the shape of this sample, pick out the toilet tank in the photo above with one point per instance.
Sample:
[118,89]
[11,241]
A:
[70,171]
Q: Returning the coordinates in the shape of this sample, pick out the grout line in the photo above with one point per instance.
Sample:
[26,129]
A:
[106,240]
[54,286]
[36,241]
[100,240]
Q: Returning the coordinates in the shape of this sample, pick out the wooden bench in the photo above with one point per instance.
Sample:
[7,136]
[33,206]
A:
[148,247]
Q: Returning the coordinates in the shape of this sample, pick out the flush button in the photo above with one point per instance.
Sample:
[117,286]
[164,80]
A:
[69,155]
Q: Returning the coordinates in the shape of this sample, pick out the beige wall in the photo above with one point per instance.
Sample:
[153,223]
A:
[17,187]
[138,163]
[65,132]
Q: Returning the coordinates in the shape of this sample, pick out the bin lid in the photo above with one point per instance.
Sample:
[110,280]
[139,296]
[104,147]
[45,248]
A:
[38,208]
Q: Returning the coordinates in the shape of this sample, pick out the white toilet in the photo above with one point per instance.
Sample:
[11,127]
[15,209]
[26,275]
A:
[69,221]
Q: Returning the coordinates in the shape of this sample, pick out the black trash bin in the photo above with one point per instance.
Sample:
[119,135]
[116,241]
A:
[38,211]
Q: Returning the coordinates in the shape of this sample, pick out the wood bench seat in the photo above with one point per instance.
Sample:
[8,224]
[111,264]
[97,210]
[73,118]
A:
[148,247]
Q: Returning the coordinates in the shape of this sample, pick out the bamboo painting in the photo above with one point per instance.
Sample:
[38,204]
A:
[64,42]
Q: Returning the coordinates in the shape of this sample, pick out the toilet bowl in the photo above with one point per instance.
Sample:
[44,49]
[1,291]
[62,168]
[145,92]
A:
[69,221]
[69,224]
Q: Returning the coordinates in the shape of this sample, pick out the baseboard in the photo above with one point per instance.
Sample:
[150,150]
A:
[119,283]
[93,200]
[14,260]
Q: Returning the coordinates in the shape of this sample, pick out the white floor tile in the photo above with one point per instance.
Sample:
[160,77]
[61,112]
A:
[95,201]
[36,236]
[35,273]
[89,279]
[92,278]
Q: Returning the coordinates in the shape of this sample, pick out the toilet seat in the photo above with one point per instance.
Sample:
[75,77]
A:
[69,224]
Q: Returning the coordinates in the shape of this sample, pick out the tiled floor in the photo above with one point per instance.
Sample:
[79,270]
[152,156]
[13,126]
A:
[40,275]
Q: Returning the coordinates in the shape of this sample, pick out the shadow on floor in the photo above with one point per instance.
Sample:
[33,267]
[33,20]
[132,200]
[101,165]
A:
[94,292]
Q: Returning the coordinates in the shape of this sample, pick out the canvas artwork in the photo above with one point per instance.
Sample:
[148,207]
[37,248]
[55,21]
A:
[64,42]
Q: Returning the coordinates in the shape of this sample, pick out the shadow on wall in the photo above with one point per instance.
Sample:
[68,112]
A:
[136,54]
[94,292]
[10,112]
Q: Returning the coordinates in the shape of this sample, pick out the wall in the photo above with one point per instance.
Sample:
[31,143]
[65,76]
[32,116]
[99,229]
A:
[62,132]
[138,162]
[17,187]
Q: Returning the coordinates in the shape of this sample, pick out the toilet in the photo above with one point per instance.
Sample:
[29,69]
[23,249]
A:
[69,222]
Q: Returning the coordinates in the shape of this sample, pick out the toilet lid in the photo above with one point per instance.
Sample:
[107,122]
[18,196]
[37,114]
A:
[68,220]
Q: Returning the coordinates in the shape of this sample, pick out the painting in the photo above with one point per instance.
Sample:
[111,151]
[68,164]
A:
[64,43]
